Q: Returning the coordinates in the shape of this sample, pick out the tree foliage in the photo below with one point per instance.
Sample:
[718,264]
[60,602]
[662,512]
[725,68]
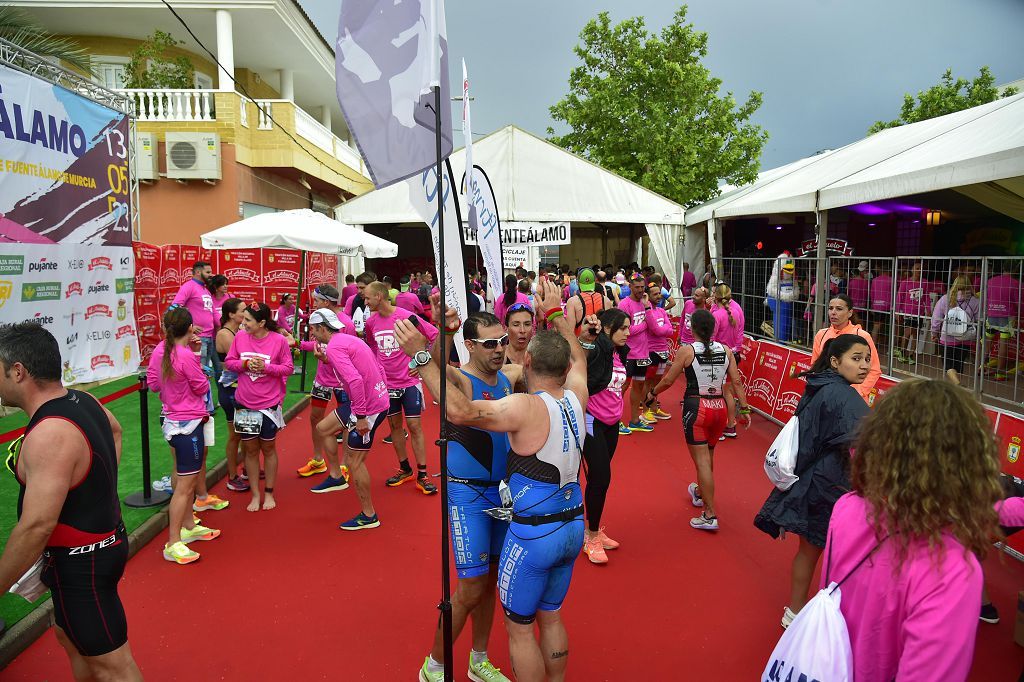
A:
[22,29]
[645,107]
[151,66]
[945,98]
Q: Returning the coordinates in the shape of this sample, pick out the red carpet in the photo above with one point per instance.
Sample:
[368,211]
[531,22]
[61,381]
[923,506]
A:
[286,595]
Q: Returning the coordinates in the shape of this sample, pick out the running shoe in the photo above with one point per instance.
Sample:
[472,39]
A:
[312,468]
[606,541]
[787,617]
[695,499]
[330,484]
[662,414]
[180,554]
[399,478]
[640,426]
[595,551]
[390,441]
[729,432]
[196,520]
[238,485]
[999,376]
[163,485]
[484,671]
[989,614]
[199,533]
[427,676]
[360,522]
[425,486]
[898,354]
[624,430]
[911,358]
[992,364]
[702,522]
[648,418]
[211,503]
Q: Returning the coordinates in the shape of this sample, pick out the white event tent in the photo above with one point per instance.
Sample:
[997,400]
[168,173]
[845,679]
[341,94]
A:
[536,181]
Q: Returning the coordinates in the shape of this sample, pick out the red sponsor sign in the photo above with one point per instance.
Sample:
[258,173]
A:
[126,330]
[72,289]
[147,264]
[330,270]
[146,298]
[766,376]
[792,386]
[97,310]
[749,353]
[100,263]
[314,268]
[146,349]
[1010,440]
[281,267]
[242,267]
[247,294]
[166,297]
[272,296]
[98,360]
[170,266]
[882,386]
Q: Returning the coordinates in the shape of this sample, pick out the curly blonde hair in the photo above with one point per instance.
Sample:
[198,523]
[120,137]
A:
[926,463]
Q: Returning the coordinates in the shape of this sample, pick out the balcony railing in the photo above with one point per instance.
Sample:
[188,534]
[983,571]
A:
[313,131]
[173,105]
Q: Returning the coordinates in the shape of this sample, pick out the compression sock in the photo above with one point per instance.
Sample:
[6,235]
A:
[421,470]
[405,465]
[477,657]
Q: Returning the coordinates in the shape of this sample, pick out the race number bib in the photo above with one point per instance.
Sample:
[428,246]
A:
[643,362]
[663,355]
[396,393]
[248,422]
[320,392]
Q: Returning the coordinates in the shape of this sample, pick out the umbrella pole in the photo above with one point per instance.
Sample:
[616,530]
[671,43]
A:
[295,324]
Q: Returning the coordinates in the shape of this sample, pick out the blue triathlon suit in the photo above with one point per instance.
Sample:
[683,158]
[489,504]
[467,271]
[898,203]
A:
[476,464]
[546,533]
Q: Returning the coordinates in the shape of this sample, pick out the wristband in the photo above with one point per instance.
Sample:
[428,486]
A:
[552,311]
[744,410]
[245,364]
[451,330]
[554,315]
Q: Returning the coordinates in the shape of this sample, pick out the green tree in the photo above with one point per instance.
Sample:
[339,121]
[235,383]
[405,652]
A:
[22,29]
[645,107]
[151,66]
[945,98]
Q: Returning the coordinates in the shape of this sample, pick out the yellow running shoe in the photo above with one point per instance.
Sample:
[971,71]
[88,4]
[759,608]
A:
[662,414]
[312,468]
[199,533]
[180,554]
[648,418]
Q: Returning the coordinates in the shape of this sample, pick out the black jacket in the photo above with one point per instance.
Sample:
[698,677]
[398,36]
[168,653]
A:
[830,412]
[599,363]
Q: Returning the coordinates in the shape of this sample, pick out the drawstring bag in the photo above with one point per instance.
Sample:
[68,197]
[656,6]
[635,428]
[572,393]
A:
[816,645]
[780,462]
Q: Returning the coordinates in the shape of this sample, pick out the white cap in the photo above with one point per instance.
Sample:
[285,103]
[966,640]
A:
[862,266]
[326,316]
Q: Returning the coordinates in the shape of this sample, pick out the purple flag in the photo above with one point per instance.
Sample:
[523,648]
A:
[389,55]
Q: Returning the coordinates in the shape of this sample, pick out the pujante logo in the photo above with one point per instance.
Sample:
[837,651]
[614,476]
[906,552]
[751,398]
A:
[41,291]
[73,288]
[122,310]
[98,309]
[42,265]
[69,374]
[100,262]
[98,288]
[6,288]
[1013,450]
[12,265]
[98,360]
[126,330]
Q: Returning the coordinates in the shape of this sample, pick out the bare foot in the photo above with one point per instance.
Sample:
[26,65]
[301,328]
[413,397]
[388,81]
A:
[254,505]
[269,502]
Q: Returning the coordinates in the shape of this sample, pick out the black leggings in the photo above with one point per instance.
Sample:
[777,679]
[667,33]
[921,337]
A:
[597,454]
[954,357]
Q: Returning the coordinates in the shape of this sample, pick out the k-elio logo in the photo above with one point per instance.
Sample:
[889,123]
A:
[73,288]
[100,262]
[42,265]
[76,263]
[98,335]
[124,331]
[98,309]
[98,288]
[98,360]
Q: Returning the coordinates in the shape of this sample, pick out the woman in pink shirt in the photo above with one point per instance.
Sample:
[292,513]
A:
[263,361]
[729,325]
[606,377]
[175,373]
[509,298]
[659,329]
[913,303]
[925,478]
[698,302]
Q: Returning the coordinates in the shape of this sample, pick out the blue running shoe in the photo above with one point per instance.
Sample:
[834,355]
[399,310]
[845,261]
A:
[330,484]
[624,430]
[360,522]
[639,426]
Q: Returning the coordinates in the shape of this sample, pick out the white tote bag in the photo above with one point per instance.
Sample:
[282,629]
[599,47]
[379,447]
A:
[816,646]
[780,462]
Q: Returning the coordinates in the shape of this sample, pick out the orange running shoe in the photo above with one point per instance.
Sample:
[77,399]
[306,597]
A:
[606,541]
[594,551]
[211,503]
[312,468]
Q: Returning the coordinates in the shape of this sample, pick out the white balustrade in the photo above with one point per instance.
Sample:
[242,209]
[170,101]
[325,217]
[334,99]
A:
[348,156]
[314,131]
[172,105]
[265,108]
[243,111]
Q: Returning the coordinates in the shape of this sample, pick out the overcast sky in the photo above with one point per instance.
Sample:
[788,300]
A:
[828,68]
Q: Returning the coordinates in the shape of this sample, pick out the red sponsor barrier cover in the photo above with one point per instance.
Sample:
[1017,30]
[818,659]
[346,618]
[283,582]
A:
[882,386]
[330,275]
[314,268]
[170,266]
[272,296]
[766,376]
[281,267]
[166,297]
[792,386]
[247,294]
[190,255]
[147,265]
[749,353]
[146,298]
[242,267]
[1010,440]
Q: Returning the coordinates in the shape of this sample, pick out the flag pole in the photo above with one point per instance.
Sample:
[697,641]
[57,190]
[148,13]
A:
[442,442]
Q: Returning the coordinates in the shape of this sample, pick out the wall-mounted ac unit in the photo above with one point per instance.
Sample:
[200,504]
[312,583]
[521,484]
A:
[147,164]
[193,156]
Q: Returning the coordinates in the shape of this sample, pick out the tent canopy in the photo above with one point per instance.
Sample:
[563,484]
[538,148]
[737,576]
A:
[302,229]
[533,180]
[979,145]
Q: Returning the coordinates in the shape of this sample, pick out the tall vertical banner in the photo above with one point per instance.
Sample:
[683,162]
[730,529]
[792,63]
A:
[387,62]
[65,238]
[423,191]
[484,224]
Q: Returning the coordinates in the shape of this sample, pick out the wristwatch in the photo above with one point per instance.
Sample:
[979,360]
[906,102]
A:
[421,358]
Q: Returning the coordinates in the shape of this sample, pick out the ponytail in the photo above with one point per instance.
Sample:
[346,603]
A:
[176,324]
[723,297]
[510,290]
[229,308]
[702,324]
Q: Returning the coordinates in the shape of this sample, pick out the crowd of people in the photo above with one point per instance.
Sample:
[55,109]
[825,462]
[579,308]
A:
[903,500]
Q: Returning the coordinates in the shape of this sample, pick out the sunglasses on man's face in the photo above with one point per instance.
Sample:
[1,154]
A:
[491,344]
[13,450]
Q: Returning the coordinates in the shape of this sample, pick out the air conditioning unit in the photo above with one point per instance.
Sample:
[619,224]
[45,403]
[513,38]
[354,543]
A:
[147,164]
[193,156]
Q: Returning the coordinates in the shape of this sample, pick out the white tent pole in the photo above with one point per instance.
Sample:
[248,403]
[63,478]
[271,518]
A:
[821,296]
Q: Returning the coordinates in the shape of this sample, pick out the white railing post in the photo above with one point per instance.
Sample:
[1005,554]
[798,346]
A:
[243,113]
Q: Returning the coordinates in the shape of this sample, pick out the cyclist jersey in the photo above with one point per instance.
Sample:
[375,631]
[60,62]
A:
[592,303]
[546,481]
[706,375]
[477,454]
[91,512]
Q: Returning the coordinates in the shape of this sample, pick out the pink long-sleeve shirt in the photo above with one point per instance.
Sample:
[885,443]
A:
[183,393]
[911,621]
[198,300]
[729,335]
[685,331]
[500,307]
[659,328]
[881,294]
[912,297]
[360,373]
[606,405]
[380,337]
[1003,296]
[639,344]
[858,289]
[324,375]
[263,390]
[1011,512]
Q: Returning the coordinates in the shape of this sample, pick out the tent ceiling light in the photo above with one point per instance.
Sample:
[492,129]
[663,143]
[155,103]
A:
[933,218]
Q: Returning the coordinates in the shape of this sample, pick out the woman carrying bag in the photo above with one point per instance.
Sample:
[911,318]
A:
[829,413]
[955,326]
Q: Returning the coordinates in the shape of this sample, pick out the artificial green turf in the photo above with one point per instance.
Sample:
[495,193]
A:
[126,409]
